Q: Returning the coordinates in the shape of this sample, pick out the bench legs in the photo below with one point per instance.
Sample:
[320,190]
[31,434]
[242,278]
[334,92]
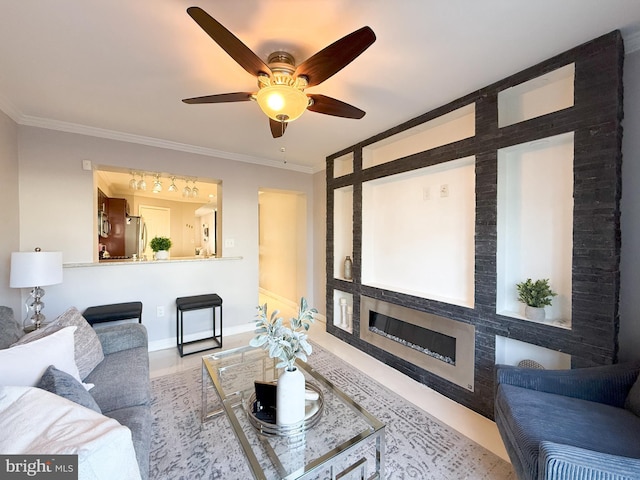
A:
[216,335]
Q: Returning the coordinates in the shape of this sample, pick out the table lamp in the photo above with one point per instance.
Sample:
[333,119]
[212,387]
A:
[35,269]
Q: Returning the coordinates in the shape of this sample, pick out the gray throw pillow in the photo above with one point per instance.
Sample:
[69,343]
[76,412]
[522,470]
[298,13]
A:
[10,331]
[62,384]
[88,349]
[633,399]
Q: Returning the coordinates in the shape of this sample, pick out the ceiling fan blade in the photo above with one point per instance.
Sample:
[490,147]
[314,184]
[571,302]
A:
[221,98]
[229,42]
[331,106]
[277,128]
[336,56]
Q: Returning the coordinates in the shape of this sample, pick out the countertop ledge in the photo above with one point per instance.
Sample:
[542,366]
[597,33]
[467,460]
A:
[149,262]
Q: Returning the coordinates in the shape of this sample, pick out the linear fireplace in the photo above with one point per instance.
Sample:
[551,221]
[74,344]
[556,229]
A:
[437,344]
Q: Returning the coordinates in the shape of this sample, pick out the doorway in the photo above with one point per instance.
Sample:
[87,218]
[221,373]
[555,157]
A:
[282,238]
[158,222]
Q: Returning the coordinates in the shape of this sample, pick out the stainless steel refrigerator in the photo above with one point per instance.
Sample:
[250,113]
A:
[135,237]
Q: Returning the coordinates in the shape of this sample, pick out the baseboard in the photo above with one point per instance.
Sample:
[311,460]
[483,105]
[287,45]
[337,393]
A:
[226,331]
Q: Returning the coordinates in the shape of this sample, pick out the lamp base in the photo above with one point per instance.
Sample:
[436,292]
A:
[34,318]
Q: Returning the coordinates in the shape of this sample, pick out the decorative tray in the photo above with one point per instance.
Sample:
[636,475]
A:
[313,413]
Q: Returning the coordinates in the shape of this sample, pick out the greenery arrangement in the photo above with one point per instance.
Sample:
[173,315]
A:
[282,342]
[160,243]
[535,294]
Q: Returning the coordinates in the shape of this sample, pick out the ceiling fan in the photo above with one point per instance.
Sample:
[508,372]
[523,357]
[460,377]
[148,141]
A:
[281,82]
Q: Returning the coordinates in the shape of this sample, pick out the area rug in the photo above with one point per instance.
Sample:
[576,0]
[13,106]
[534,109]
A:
[417,445]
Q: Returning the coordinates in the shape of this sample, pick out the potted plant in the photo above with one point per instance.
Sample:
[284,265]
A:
[286,344]
[160,247]
[535,295]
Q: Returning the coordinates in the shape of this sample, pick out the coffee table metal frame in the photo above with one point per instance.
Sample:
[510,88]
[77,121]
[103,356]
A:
[215,364]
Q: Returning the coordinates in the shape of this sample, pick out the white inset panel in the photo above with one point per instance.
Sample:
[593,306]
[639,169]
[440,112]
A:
[545,94]
[512,352]
[343,310]
[449,128]
[343,165]
[418,232]
[535,223]
[342,228]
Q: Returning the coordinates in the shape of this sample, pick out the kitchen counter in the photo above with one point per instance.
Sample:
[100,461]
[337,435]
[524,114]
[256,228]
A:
[129,261]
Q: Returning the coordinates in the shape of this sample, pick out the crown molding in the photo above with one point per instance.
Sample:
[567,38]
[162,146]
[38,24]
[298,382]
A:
[9,109]
[33,121]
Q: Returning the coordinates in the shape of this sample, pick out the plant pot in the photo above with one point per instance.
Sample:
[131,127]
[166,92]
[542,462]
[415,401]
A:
[162,255]
[536,314]
[290,401]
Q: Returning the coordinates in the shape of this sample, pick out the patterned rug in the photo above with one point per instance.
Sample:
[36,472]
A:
[417,445]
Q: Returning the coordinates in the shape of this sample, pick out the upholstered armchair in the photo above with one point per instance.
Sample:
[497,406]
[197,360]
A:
[571,424]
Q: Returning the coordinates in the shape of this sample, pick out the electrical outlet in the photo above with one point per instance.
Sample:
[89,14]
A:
[159,311]
[426,193]
[229,243]
[444,190]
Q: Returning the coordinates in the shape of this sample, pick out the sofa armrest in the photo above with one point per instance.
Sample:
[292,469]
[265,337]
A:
[564,462]
[115,338]
[609,384]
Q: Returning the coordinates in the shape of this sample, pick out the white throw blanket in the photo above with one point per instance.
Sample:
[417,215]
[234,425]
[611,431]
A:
[34,421]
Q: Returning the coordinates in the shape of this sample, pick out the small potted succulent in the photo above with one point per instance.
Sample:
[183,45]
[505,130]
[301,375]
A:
[160,247]
[535,295]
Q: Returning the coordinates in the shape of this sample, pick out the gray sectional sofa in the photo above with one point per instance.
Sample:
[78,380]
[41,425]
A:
[122,386]
[580,424]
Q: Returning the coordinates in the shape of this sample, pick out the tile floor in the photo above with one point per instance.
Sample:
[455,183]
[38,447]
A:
[460,418]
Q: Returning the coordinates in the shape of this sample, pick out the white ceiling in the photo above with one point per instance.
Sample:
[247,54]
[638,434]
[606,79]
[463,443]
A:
[119,68]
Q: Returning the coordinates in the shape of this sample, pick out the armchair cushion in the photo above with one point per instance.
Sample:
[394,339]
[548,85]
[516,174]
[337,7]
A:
[564,462]
[608,384]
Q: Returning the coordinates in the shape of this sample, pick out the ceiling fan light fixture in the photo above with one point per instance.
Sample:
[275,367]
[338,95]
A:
[281,80]
[280,101]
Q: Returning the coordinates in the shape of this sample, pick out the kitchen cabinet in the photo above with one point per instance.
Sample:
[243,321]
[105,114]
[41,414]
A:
[117,211]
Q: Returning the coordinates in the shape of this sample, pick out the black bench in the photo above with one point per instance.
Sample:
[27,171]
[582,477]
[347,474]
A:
[114,312]
[198,302]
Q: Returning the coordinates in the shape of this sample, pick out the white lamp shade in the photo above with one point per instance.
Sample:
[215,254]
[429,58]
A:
[35,269]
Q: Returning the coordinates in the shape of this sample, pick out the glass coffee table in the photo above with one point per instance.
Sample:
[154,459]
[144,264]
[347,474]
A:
[341,444]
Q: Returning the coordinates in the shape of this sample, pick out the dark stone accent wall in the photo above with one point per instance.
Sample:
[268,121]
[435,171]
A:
[595,120]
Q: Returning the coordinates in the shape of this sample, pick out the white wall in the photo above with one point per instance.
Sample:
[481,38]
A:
[320,234]
[9,214]
[629,336]
[57,213]
[421,240]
